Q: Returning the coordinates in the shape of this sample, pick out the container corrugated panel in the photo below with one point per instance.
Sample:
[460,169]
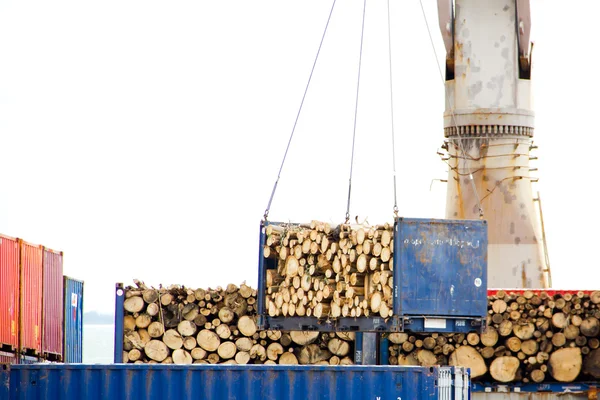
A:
[248,382]
[31,298]
[73,318]
[442,265]
[9,289]
[529,396]
[52,317]
[7,358]
[535,391]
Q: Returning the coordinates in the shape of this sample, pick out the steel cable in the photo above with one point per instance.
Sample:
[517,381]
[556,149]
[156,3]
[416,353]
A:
[298,114]
[362,34]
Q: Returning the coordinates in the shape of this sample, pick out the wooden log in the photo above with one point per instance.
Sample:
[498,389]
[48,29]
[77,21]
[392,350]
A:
[166,299]
[223,331]
[150,296]
[128,323]
[156,330]
[504,369]
[242,357]
[244,344]
[590,327]
[398,338]
[513,344]
[524,331]
[134,355]
[530,347]
[152,309]
[156,350]
[181,356]
[304,338]
[186,328]
[487,352]
[472,338]
[312,354]
[258,352]
[173,339]
[591,363]
[226,315]
[226,350]
[133,304]
[467,356]
[537,375]
[565,364]
[288,358]
[274,350]
[426,358]
[559,320]
[208,340]
[198,353]
[246,326]
[489,337]
[338,347]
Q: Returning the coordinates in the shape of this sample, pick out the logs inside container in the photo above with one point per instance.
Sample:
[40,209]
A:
[178,325]
[329,272]
[531,337]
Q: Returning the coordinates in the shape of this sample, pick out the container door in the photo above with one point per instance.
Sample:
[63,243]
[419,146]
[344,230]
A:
[31,298]
[9,288]
[52,339]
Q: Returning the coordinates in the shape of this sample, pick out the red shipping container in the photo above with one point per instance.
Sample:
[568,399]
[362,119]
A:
[31,298]
[9,293]
[8,358]
[52,317]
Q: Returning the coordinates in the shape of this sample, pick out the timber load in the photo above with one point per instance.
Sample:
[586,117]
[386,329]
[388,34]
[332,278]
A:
[179,325]
[531,337]
[329,272]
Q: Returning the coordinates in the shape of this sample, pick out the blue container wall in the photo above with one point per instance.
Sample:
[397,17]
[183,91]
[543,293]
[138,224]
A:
[441,267]
[73,318]
[248,382]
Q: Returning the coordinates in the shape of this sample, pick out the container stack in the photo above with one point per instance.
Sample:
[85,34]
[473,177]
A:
[33,307]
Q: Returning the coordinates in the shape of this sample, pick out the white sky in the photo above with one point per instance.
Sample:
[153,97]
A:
[143,138]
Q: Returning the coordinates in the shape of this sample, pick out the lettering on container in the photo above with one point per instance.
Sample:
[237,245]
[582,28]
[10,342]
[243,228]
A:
[74,300]
[443,242]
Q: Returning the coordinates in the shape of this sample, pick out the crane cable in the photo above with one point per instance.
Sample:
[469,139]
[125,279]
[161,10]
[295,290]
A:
[392,108]
[456,130]
[298,114]
[362,34]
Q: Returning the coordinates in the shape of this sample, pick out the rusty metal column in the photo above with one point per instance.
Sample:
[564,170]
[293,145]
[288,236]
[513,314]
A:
[488,125]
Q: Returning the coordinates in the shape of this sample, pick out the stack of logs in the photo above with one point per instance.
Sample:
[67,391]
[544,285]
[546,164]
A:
[217,326]
[531,337]
[327,273]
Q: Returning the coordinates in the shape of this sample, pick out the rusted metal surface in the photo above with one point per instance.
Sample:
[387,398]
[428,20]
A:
[500,171]
[489,123]
[9,293]
[31,298]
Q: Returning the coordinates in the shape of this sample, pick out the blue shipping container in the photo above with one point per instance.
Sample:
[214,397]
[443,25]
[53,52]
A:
[442,267]
[440,281]
[247,382]
[73,330]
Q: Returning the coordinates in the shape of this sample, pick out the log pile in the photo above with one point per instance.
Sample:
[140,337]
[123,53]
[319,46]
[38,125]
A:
[530,337]
[218,326]
[329,272]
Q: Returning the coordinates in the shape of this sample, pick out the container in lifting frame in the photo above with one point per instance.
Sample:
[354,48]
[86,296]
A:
[440,281]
